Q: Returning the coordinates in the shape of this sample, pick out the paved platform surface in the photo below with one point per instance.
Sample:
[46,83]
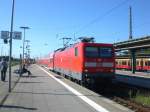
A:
[5,85]
[44,93]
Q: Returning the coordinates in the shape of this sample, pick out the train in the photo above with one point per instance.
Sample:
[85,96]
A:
[85,62]
[142,64]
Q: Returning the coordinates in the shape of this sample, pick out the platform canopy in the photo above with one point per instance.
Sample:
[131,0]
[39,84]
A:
[138,43]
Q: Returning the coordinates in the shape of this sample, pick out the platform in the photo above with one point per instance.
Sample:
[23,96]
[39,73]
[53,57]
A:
[141,79]
[4,86]
[48,92]
[137,74]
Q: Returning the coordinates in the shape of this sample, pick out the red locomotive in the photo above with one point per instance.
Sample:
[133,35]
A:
[85,62]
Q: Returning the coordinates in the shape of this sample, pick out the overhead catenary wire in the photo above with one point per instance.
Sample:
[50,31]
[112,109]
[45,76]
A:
[103,15]
[99,18]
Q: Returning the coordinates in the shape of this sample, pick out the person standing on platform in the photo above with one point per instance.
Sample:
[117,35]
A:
[3,68]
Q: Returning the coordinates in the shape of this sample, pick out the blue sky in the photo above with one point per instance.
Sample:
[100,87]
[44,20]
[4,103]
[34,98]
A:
[106,20]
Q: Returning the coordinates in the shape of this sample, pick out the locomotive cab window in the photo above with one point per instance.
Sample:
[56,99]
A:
[94,52]
[76,51]
[105,52]
[91,52]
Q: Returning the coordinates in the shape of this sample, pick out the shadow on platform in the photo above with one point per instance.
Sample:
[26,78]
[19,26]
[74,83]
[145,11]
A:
[32,76]
[39,76]
[17,107]
[29,82]
[59,94]
[59,77]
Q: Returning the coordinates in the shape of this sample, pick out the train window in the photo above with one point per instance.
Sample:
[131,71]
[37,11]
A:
[137,63]
[76,51]
[116,62]
[105,52]
[120,62]
[129,64]
[124,63]
[148,63]
[91,52]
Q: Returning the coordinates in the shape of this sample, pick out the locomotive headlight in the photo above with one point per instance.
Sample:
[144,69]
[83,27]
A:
[90,64]
[85,70]
[111,70]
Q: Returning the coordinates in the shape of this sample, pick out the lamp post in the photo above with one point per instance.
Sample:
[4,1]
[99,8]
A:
[10,43]
[24,28]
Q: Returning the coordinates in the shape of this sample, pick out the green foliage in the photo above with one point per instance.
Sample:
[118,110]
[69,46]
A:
[142,99]
[15,62]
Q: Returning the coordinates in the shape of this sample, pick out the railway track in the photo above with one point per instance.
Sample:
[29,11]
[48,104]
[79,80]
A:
[124,94]
[132,105]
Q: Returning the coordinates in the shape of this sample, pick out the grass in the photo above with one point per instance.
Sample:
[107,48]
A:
[15,63]
[145,100]
[142,98]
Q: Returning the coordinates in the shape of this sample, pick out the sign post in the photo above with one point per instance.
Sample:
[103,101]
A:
[17,35]
[4,34]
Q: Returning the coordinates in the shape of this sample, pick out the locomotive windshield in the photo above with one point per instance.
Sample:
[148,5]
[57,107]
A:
[94,52]
[91,52]
[105,52]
